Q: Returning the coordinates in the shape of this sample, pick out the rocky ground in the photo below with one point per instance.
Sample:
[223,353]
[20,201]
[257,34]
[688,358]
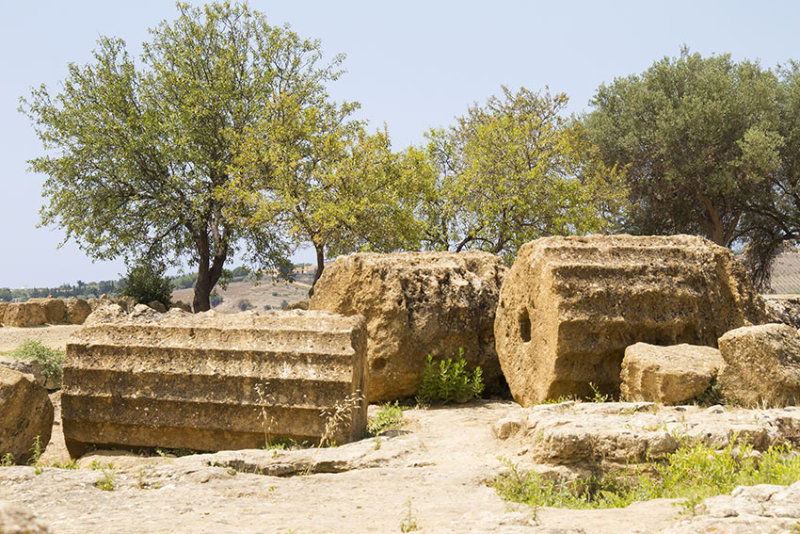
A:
[54,337]
[433,475]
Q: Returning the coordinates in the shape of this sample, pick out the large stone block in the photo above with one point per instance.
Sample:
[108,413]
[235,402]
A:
[668,375]
[77,310]
[762,365]
[210,381]
[24,314]
[417,303]
[25,413]
[3,308]
[570,306]
[55,311]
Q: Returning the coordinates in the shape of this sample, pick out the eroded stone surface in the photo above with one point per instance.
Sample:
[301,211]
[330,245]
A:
[55,311]
[211,382]
[77,310]
[15,519]
[24,314]
[597,437]
[783,309]
[417,303]
[570,306]
[762,365]
[25,413]
[669,375]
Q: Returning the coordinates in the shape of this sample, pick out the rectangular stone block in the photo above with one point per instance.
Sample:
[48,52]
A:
[211,381]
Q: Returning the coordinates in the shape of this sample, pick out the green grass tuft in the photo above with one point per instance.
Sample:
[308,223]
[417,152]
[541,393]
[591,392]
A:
[388,417]
[449,381]
[52,360]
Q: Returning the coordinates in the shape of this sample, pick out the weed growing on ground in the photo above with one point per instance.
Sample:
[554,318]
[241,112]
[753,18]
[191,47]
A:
[7,460]
[693,472]
[71,464]
[36,455]
[106,482]
[265,399]
[52,361]
[390,416]
[335,418]
[409,522]
[449,381]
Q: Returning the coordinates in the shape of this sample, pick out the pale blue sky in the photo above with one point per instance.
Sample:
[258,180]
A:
[412,64]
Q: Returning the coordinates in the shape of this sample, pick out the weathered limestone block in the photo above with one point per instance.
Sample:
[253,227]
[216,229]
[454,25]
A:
[783,309]
[55,311]
[668,375]
[192,380]
[762,365]
[3,308]
[31,367]
[570,306]
[24,314]
[77,310]
[417,303]
[26,413]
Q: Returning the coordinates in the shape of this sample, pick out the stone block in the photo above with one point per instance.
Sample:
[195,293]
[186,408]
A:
[77,310]
[668,375]
[570,306]
[26,413]
[180,380]
[24,314]
[55,311]
[415,304]
[762,365]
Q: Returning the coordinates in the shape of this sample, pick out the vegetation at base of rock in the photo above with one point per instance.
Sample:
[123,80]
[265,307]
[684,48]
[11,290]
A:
[693,472]
[389,417]
[7,460]
[145,281]
[106,482]
[52,360]
[449,381]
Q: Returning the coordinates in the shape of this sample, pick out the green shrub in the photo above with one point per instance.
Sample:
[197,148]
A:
[449,381]
[215,299]
[146,282]
[52,360]
[388,417]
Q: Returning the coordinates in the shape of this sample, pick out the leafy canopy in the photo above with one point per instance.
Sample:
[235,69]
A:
[141,156]
[511,171]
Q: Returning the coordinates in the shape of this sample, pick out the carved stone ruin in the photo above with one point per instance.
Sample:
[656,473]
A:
[210,381]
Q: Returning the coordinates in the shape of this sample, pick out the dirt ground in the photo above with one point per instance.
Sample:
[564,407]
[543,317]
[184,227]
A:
[54,337]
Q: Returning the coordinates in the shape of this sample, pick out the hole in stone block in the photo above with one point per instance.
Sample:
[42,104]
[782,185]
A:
[524,325]
[378,364]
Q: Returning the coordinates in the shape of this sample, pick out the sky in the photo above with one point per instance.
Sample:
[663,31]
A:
[413,65]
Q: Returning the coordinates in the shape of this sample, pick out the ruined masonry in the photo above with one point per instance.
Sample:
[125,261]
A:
[570,306]
[178,380]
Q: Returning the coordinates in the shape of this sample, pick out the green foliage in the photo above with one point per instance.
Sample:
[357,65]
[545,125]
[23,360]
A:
[710,147]
[409,521]
[693,472]
[141,155]
[106,482]
[449,381]
[7,460]
[146,282]
[390,416]
[511,171]
[244,305]
[215,299]
[52,360]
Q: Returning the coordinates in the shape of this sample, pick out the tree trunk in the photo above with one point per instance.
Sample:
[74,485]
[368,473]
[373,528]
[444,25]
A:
[320,267]
[208,272]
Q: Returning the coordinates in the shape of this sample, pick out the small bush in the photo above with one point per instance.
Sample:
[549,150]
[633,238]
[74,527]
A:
[52,360]
[388,417]
[215,299]
[146,282]
[449,382]
[244,305]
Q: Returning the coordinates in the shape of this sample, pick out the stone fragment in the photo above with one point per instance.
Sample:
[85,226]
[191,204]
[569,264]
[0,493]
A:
[570,306]
[28,366]
[783,309]
[26,413]
[24,314]
[211,381]
[417,303]
[55,311]
[16,519]
[77,310]
[158,306]
[667,375]
[181,306]
[762,365]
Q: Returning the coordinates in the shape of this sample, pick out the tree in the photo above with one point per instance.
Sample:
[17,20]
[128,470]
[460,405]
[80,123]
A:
[333,185]
[144,154]
[146,282]
[699,139]
[512,171]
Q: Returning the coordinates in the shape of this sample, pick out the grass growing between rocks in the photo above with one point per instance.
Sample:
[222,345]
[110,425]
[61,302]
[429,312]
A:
[693,472]
[389,417]
[449,381]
